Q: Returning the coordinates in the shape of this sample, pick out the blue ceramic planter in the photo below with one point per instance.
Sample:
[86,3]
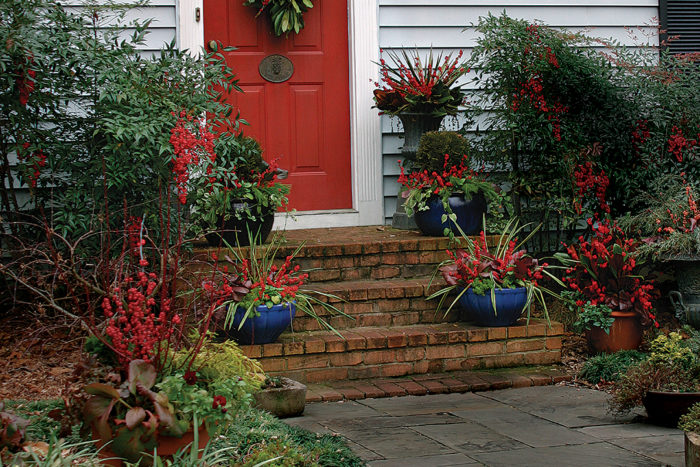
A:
[469,215]
[265,328]
[509,306]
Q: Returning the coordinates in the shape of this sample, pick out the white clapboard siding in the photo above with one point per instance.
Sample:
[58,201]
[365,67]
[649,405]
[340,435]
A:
[447,26]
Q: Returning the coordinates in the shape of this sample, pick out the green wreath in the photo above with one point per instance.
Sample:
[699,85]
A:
[286,15]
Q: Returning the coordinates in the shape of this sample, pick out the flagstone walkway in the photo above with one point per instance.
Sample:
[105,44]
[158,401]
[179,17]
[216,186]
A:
[532,426]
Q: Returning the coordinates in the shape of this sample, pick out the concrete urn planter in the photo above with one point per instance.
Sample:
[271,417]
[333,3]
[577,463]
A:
[287,400]
[692,449]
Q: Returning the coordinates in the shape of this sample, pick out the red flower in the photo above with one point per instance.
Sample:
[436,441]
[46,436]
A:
[190,378]
[219,401]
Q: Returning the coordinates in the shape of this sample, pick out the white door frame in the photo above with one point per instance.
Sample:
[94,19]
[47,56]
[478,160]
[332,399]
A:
[365,129]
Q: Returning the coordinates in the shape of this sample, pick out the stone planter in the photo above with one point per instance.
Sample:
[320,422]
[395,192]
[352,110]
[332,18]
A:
[285,401]
[692,449]
[666,407]
[686,300]
[414,125]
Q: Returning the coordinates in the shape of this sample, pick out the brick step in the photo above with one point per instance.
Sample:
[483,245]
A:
[358,253]
[373,352]
[437,383]
[391,302]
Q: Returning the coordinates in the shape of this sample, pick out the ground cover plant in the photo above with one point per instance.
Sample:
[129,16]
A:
[609,368]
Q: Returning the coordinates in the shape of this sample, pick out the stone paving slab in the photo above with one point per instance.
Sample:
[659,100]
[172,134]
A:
[535,426]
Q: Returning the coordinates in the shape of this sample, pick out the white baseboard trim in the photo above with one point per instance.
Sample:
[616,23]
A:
[317,219]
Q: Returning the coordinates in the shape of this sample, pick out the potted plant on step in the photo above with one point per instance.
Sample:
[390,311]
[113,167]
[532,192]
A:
[267,294]
[670,228]
[666,384]
[494,285]
[442,191]
[236,191]
[612,300]
[421,91]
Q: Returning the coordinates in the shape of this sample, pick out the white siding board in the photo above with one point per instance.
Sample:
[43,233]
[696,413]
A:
[446,26]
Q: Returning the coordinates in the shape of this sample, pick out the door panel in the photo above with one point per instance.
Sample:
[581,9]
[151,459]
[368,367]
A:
[304,121]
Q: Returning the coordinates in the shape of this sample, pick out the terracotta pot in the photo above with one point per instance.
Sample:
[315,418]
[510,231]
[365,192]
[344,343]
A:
[167,446]
[625,334]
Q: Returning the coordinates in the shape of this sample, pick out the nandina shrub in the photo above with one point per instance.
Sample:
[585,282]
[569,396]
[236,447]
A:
[555,120]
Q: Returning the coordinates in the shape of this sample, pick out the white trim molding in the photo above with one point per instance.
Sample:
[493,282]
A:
[365,128]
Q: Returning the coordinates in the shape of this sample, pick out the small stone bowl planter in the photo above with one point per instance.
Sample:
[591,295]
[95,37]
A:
[284,398]
[692,449]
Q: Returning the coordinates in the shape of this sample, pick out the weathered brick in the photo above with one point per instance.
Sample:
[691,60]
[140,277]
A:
[542,358]
[274,364]
[346,359]
[313,396]
[314,344]
[352,249]
[410,354]
[400,304]
[330,395]
[375,320]
[435,366]
[393,258]
[354,341]
[435,387]
[457,335]
[390,247]
[474,382]
[438,337]
[370,260]
[420,367]
[334,343]
[298,362]
[357,294]
[484,348]
[524,345]
[455,385]
[322,275]
[496,334]
[497,381]
[252,351]
[536,330]
[351,393]
[405,318]
[394,338]
[517,331]
[356,308]
[395,292]
[369,390]
[477,335]
[375,357]
[293,348]
[413,388]
[353,274]
[540,380]
[385,272]
[363,372]
[554,343]
[371,248]
[326,374]
[375,340]
[272,350]
[391,389]
[395,369]
[557,329]
[520,381]
[451,351]
[416,336]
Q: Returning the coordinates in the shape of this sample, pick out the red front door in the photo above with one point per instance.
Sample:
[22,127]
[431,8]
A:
[305,120]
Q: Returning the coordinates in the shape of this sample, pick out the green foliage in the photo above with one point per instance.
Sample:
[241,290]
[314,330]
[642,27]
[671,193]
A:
[672,350]
[12,429]
[286,15]
[433,147]
[60,453]
[222,361]
[671,366]
[110,111]
[587,315]
[691,420]
[610,367]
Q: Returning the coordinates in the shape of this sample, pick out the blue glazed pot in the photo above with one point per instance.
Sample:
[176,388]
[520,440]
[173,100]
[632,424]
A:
[469,215]
[509,306]
[265,328]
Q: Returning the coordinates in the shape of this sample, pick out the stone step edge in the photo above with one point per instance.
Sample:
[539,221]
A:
[436,383]
[315,342]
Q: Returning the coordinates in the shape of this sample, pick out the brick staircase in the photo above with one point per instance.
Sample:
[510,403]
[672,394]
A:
[382,276]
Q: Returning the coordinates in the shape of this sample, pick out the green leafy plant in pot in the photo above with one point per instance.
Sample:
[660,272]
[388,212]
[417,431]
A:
[494,284]
[236,191]
[286,15]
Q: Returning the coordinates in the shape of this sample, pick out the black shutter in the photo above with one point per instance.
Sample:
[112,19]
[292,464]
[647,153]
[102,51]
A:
[680,18]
